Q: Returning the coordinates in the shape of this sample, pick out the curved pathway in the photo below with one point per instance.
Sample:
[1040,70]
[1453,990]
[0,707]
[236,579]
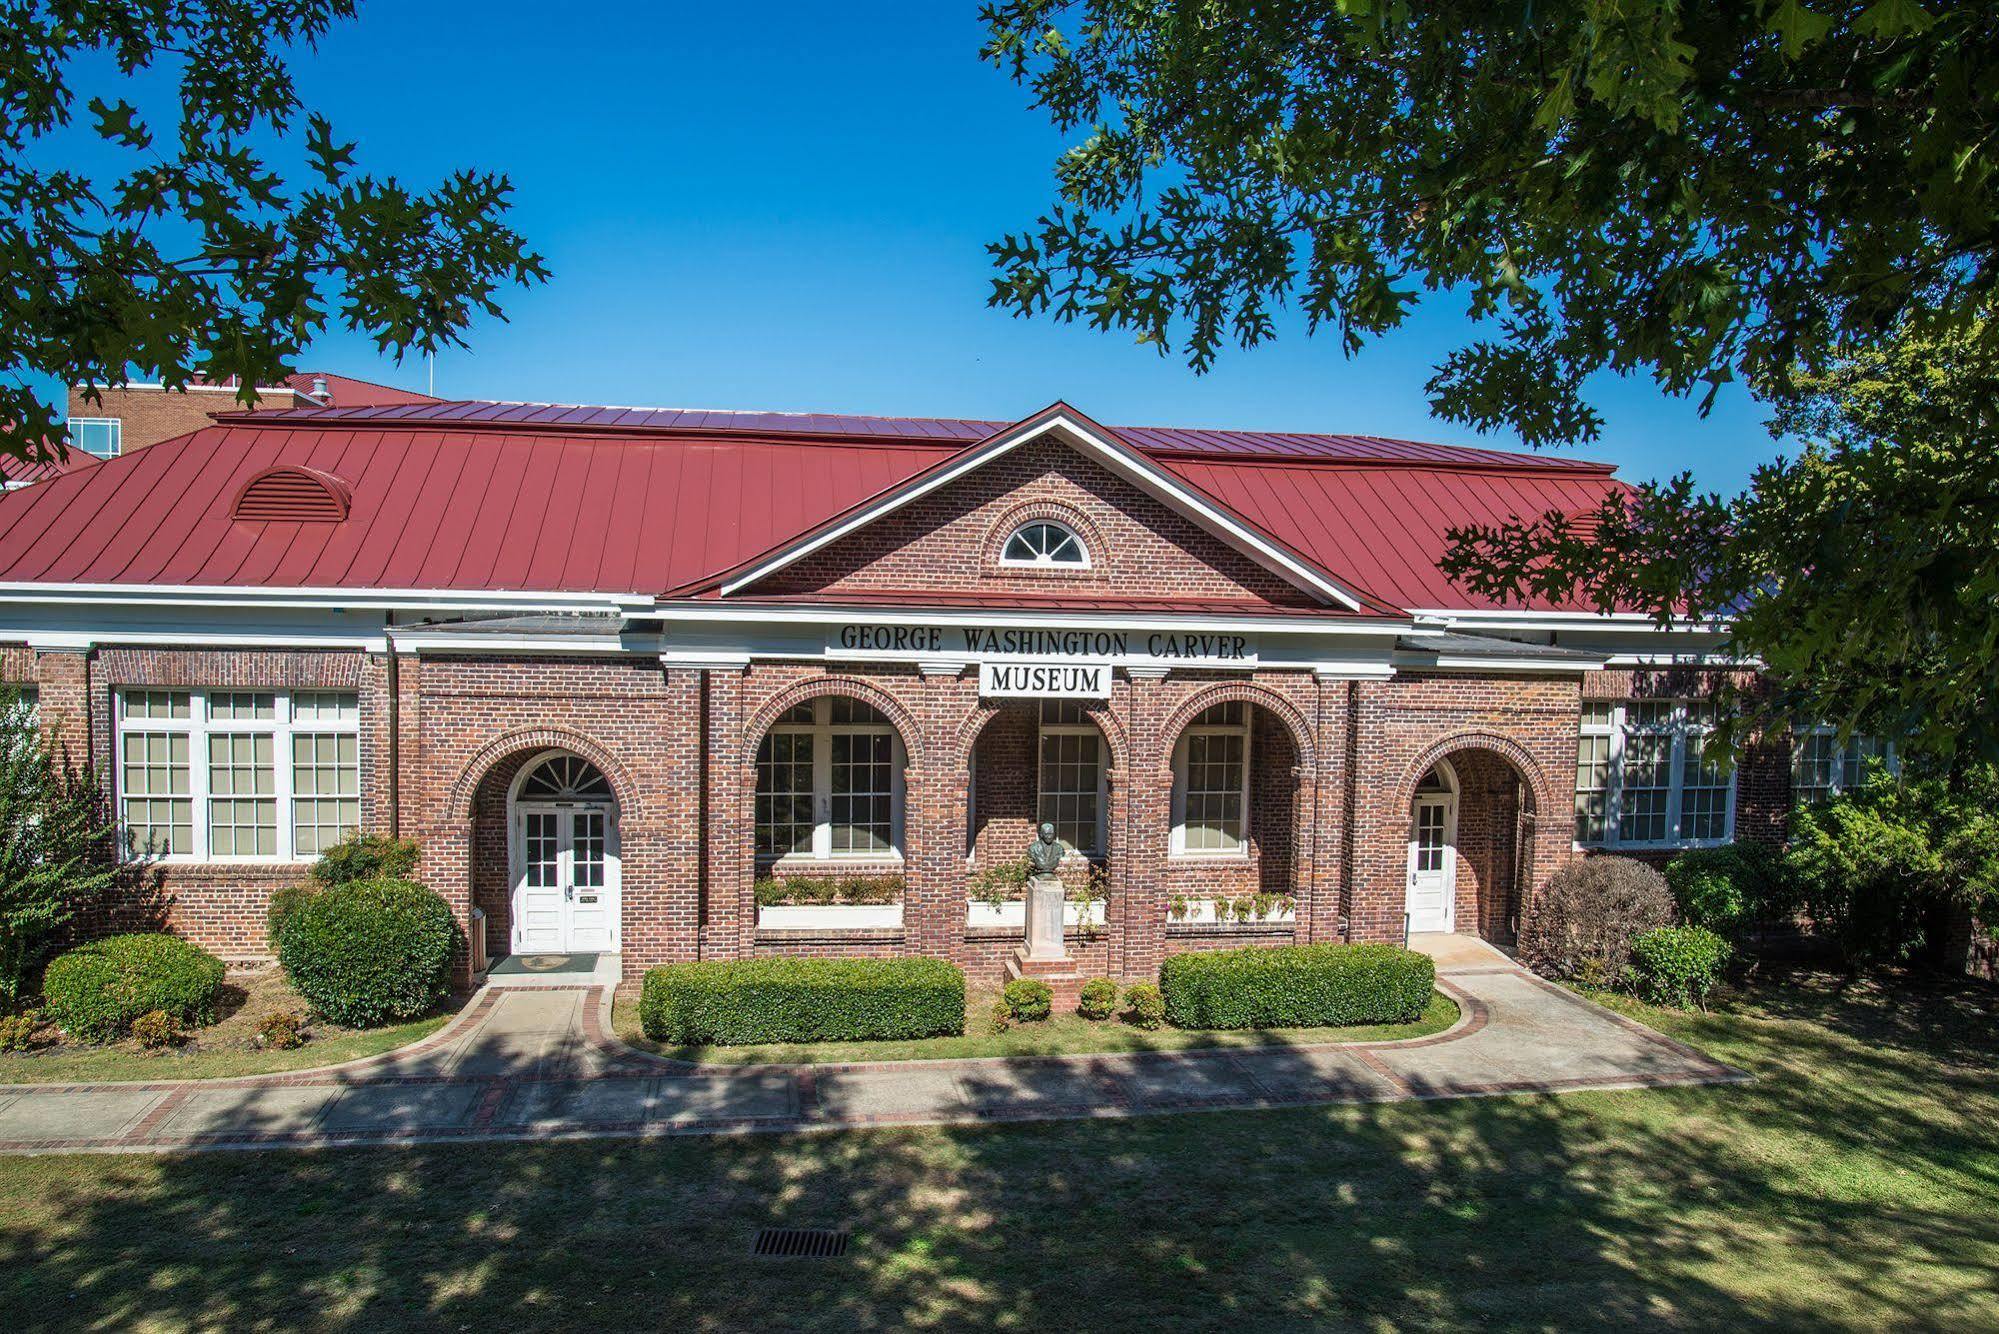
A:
[536,1064]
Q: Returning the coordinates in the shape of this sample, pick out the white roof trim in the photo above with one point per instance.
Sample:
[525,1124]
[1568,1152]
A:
[1148,476]
[1472,619]
[889,615]
[226,595]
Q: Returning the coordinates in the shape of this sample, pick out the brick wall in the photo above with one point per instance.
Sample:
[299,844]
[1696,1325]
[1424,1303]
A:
[152,415]
[1333,766]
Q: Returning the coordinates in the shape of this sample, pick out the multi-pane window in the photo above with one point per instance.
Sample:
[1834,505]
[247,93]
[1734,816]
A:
[1823,766]
[1643,776]
[1211,782]
[200,773]
[1072,776]
[102,436]
[1044,543]
[829,783]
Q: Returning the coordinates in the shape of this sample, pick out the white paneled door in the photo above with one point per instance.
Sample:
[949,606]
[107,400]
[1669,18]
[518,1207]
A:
[566,880]
[1432,865]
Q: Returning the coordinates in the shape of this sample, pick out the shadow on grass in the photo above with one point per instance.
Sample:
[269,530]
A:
[1849,1186]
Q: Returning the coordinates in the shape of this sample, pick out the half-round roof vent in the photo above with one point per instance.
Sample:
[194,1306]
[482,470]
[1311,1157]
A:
[292,494]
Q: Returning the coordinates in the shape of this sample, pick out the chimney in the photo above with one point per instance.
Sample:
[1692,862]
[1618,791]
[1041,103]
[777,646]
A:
[319,387]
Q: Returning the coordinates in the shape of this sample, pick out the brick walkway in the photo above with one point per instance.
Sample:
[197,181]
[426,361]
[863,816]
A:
[539,1064]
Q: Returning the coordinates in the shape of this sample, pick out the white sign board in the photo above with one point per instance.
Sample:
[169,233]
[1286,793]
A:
[916,641]
[1044,680]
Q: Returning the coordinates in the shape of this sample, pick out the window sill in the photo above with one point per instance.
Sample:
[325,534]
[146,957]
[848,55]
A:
[1208,858]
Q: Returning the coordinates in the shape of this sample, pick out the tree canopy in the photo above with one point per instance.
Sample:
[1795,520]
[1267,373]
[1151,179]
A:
[193,256]
[1864,573]
[1703,190]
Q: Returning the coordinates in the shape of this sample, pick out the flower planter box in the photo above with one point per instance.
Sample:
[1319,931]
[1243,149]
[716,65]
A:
[1014,914]
[830,917]
[1201,912]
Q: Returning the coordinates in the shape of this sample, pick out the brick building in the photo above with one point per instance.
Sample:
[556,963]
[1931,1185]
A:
[110,422]
[612,667]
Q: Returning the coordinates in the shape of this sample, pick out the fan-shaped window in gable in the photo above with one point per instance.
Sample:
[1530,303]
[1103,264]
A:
[1045,542]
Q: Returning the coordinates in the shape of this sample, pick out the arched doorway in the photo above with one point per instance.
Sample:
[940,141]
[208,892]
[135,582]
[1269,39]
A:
[1471,845]
[1433,855]
[562,824]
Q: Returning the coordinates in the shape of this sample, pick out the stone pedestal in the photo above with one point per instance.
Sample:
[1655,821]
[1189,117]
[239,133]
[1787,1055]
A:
[1045,897]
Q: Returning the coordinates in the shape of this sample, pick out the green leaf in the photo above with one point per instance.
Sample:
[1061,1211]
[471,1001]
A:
[1798,26]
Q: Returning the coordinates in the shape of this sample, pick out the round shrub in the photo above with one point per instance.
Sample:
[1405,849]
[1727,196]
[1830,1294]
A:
[1729,887]
[156,1029]
[1027,999]
[1144,1005]
[95,991]
[284,902]
[1097,999]
[1582,925]
[1679,965]
[370,951]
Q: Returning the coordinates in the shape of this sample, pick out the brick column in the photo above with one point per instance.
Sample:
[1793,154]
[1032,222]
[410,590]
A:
[447,868]
[62,680]
[1377,881]
[1149,816]
[1118,840]
[1322,884]
[728,842]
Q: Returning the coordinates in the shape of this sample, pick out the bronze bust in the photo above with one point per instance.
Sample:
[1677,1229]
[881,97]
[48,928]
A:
[1044,854]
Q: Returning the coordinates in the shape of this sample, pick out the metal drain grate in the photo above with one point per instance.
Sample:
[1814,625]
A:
[800,1243]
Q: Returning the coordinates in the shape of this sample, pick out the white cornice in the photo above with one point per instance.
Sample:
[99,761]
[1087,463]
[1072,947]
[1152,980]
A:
[792,614]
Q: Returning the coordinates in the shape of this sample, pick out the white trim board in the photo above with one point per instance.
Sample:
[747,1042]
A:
[1132,466]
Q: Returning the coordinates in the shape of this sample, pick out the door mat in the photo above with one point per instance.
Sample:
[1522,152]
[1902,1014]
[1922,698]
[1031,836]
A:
[539,964]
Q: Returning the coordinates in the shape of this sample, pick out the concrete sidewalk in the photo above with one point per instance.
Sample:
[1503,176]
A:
[539,1064]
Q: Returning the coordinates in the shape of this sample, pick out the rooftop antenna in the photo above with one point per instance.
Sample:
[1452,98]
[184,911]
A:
[430,366]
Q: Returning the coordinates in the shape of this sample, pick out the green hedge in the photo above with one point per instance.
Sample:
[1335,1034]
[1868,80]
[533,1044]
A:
[802,1000]
[95,991]
[370,951]
[1679,965]
[1296,986]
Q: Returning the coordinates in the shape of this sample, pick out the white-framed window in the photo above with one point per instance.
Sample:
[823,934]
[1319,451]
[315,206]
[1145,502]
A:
[1045,542]
[829,783]
[1211,783]
[1071,796]
[102,436]
[238,775]
[1643,778]
[1823,766]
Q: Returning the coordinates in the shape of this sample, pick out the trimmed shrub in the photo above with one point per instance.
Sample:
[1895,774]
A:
[1144,1006]
[1730,887]
[1098,998]
[999,1019]
[17,1031]
[1582,925]
[802,1000]
[1296,986]
[367,857]
[282,1030]
[1679,965]
[284,902]
[156,1029]
[370,951]
[95,991]
[1027,999]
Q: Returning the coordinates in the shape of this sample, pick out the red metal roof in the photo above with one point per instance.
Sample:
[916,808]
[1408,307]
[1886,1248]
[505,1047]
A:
[345,391]
[560,509]
[1156,440]
[15,472]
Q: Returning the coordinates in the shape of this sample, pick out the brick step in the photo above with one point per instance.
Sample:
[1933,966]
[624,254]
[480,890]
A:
[1064,982]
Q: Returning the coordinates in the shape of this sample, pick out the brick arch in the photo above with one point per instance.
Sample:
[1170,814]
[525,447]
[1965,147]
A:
[899,717]
[1225,692]
[465,787]
[1540,794]
[973,725]
[1026,512]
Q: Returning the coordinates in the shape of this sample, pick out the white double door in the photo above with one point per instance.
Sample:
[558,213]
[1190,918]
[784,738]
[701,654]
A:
[565,879]
[1433,864]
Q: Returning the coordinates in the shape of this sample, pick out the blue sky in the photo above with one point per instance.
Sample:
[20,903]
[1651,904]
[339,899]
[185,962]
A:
[785,206]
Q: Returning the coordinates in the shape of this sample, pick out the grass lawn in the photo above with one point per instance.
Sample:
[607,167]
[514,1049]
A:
[1851,1186]
[223,1049]
[1060,1034]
